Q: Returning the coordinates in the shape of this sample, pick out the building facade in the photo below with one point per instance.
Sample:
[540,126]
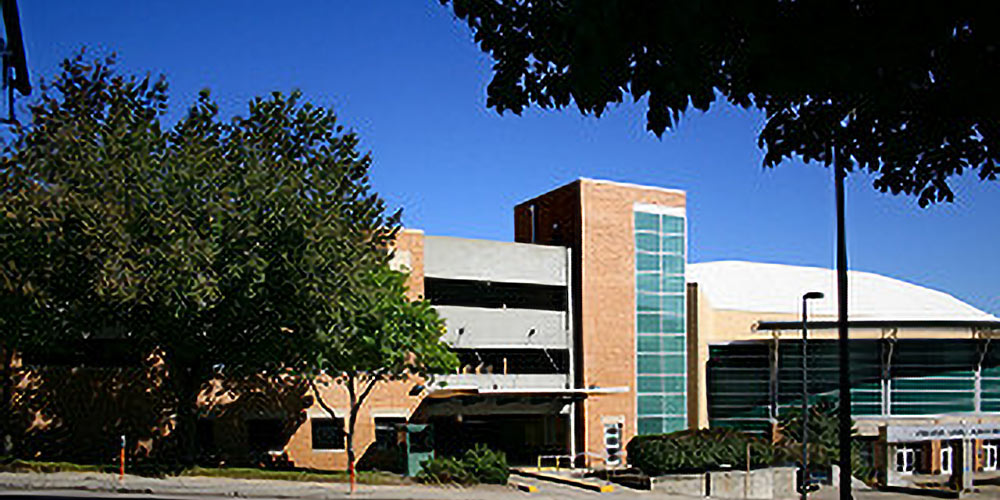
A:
[591,327]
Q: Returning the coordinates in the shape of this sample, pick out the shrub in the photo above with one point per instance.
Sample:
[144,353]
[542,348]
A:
[698,450]
[478,465]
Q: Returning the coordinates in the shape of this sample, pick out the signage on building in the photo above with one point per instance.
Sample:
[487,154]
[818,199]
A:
[910,433]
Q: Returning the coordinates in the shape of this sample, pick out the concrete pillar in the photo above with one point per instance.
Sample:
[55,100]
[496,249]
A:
[963,467]
[934,465]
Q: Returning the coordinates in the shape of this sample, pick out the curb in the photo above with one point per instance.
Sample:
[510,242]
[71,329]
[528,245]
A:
[578,483]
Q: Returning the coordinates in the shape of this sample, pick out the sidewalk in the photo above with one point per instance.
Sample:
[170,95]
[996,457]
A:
[244,488]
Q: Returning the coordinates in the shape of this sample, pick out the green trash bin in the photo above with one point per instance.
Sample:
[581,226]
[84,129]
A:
[416,442]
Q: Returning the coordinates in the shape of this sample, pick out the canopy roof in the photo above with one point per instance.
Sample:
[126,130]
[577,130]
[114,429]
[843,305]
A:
[778,289]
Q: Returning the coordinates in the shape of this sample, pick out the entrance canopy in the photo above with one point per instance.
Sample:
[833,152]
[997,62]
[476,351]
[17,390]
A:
[479,401]
[945,432]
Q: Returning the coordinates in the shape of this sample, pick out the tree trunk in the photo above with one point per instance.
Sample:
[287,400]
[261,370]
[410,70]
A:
[188,387]
[7,420]
[351,419]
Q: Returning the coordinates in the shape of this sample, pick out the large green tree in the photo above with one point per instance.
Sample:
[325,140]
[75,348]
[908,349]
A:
[385,336]
[901,89]
[223,246]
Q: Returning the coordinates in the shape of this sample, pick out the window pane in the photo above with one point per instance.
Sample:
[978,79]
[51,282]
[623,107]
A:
[649,363]
[648,323]
[650,405]
[650,426]
[672,343]
[672,224]
[647,302]
[650,384]
[673,304]
[672,324]
[673,384]
[648,282]
[673,364]
[672,244]
[673,284]
[646,222]
[328,434]
[648,343]
[672,264]
[647,242]
[647,262]
[674,405]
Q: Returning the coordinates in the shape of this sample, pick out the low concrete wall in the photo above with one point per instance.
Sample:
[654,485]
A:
[679,484]
[771,483]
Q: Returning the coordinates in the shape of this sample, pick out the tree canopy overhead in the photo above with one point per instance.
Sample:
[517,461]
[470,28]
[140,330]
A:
[904,90]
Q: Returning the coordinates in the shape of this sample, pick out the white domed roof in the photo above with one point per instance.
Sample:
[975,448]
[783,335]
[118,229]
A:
[778,288]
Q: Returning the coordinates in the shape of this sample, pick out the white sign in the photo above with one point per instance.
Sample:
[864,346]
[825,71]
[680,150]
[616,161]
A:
[947,432]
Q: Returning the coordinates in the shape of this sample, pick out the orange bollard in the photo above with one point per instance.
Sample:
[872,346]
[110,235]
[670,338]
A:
[121,470]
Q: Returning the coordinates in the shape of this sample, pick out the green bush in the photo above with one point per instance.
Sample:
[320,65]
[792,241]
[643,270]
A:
[478,465]
[698,450]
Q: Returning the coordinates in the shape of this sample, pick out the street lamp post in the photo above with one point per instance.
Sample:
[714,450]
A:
[804,487]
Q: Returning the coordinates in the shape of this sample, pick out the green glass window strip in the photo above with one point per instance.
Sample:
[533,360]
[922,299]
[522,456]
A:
[660,323]
[934,384]
[926,409]
[931,397]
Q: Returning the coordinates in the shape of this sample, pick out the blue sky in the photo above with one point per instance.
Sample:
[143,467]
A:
[407,77]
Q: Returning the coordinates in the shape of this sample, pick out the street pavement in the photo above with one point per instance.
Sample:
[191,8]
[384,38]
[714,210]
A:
[84,486]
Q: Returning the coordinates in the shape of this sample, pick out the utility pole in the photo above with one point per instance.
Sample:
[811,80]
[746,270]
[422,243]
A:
[844,412]
[805,392]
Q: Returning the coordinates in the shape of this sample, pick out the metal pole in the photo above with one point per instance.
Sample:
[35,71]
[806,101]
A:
[843,351]
[805,400]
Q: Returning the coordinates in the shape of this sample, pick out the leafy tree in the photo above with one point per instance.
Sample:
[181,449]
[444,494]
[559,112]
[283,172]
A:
[903,90]
[385,336]
[223,246]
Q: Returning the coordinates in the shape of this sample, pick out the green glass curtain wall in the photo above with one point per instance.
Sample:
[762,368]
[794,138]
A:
[910,377]
[661,331]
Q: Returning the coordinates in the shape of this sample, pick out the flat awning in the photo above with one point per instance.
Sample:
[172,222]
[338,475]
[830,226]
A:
[578,393]
[512,401]
[930,323]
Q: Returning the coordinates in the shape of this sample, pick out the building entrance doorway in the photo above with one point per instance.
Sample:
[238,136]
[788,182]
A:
[523,438]
[946,458]
[989,456]
[906,458]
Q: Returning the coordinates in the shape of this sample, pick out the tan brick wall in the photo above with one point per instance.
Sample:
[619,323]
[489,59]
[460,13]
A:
[595,219]
[387,399]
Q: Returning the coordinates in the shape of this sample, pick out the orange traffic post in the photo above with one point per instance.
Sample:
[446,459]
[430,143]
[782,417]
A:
[121,460]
